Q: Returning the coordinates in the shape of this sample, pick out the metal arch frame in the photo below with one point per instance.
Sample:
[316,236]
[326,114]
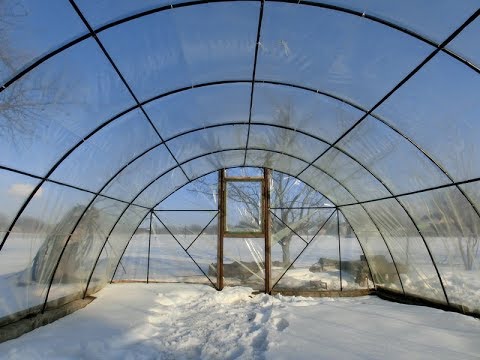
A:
[120,75]
[140,105]
[170,170]
[157,97]
[6,168]
[206,174]
[115,117]
[121,214]
[284,154]
[367,212]
[178,242]
[276,83]
[253,82]
[252,90]
[151,209]
[334,210]
[128,18]
[403,81]
[93,33]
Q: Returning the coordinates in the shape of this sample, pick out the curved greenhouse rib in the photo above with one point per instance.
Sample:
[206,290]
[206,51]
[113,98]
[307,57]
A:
[366,211]
[252,89]
[322,171]
[179,188]
[122,78]
[155,205]
[101,126]
[6,168]
[190,160]
[400,83]
[126,19]
[140,105]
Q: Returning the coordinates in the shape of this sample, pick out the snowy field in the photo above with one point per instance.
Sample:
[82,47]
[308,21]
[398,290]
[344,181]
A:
[170,263]
[179,321]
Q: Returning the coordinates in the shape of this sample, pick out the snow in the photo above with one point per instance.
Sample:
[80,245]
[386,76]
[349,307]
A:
[184,321]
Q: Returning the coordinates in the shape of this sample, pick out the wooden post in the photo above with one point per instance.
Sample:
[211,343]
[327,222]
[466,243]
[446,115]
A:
[149,245]
[221,227]
[266,229]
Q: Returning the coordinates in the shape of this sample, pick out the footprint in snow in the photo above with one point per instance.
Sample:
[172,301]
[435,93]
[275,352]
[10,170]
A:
[280,324]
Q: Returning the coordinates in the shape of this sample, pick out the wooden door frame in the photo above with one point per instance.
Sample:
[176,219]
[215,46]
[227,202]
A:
[265,212]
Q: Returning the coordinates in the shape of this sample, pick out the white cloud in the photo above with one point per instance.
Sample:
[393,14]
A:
[24,190]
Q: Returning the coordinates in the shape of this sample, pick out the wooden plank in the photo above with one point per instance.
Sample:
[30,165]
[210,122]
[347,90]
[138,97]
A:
[266,229]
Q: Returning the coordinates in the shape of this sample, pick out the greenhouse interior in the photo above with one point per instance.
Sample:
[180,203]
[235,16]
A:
[296,149]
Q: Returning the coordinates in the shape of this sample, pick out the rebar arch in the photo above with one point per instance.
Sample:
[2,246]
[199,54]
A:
[315,158]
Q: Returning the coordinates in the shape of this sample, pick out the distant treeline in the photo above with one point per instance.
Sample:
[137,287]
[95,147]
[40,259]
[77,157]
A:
[192,229]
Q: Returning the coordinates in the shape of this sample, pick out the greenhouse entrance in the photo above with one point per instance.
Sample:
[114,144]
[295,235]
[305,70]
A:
[254,227]
[244,237]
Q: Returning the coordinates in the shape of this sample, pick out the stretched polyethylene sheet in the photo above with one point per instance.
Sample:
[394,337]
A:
[56,105]
[186,226]
[161,188]
[274,160]
[317,267]
[75,119]
[288,192]
[204,250]
[334,52]
[15,190]
[169,262]
[436,25]
[328,186]
[133,178]
[28,32]
[285,141]
[452,230]
[208,163]
[383,268]
[313,113]
[286,246]
[32,249]
[466,43]
[197,195]
[107,152]
[115,245]
[354,263]
[395,161]
[205,141]
[357,179]
[133,266]
[84,246]
[472,191]
[207,106]
[244,262]
[178,48]
[304,222]
[104,11]
[438,109]
[134,262]
[409,251]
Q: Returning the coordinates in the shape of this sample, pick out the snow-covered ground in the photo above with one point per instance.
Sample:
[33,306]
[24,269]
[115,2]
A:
[170,263]
[180,321]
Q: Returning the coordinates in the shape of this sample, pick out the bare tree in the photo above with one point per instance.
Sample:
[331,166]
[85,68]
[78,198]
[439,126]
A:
[294,202]
[447,219]
[22,103]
